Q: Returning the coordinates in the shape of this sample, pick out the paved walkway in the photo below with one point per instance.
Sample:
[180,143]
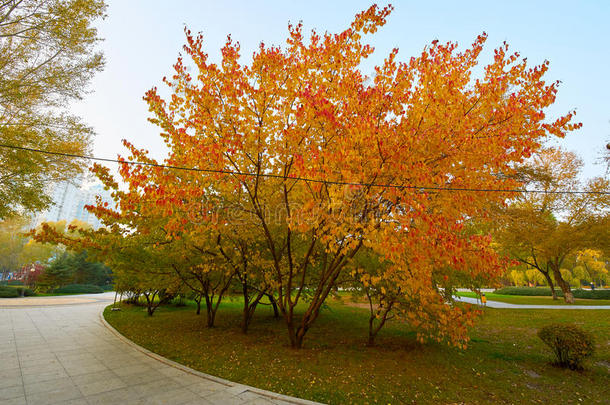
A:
[63,354]
[498,304]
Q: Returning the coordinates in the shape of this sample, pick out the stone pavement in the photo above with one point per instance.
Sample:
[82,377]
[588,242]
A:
[64,354]
[498,304]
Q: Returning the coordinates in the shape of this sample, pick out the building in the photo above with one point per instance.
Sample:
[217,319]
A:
[69,201]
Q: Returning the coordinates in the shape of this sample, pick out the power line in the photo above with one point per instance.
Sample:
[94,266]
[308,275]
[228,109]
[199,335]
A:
[277,176]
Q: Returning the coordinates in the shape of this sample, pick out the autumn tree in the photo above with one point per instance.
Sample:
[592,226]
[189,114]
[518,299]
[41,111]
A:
[594,266]
[47,56]
[543,229]
[17,249]
[324,162]
[316,162]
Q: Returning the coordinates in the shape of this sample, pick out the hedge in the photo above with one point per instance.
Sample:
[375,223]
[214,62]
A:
[11,282]
[14,292]
[546,292]
[79,289]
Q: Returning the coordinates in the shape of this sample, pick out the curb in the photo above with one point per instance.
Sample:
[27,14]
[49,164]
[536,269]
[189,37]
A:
[232,387]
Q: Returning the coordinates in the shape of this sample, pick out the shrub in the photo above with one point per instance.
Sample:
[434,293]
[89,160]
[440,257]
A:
[527,291]
[8,292]
[79,289]
[14,292]
[11,282]
[592,294]
[546,292]
[570,344]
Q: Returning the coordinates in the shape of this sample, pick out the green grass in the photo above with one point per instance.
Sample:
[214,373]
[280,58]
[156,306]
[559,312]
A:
[532,300]
[505,362]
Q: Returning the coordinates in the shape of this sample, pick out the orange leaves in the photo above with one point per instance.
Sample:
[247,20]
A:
[307,111]
[371,19]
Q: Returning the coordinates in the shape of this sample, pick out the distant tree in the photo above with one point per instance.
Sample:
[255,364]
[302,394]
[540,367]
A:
[542,230]
[47,57]
[17,249]
[74,268]
[593,264]
[11,244]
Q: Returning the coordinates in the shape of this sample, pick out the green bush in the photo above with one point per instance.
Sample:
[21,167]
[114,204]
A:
[14,292]
[528,291]
[79,289]
[11,282]
[594,295]
[8,292]
[546,292]
[570,344]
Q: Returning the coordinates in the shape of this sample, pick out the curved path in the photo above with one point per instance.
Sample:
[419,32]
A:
[58,350]
[498,304]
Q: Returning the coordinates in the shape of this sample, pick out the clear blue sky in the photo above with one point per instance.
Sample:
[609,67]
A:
[143,38]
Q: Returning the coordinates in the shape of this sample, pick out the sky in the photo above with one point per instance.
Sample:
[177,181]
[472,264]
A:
[142,39]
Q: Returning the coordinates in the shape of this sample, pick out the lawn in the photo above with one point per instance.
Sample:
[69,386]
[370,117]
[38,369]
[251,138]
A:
[529,300]
[505,362]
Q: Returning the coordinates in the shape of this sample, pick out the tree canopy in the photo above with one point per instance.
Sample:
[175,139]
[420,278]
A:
[543,229]
[47,56]
[299,167]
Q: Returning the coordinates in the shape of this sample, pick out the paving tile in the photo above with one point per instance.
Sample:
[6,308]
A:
[38,387]
[170,371]
[119,396]
[80,368]
[41,368]
[15,401]
[35,363]
[143,378]
[260,401]
[132,369]
[249,396]
[78,401]
[12,362]
[187,379]
[176,396]
[64,355]
[10,381]
[207,387]
[222,397]
[201,401]
[44,376]
[155,387]
[11,392]
[56,396]
[10,372]
[100,386]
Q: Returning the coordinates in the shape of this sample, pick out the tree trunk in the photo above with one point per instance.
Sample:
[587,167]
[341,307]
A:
[565,287]
[211,317]
[198,301]
[276,312]
[210,311]
[549,280]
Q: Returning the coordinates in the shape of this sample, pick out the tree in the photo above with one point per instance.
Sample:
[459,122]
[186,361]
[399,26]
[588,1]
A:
[543,229]
[47,57]
[17,250]
[74,268]
[252,132]
[595,270]
[11,244]
[304,160]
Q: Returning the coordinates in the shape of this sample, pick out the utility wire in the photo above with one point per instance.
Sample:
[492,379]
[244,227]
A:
[277,176]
